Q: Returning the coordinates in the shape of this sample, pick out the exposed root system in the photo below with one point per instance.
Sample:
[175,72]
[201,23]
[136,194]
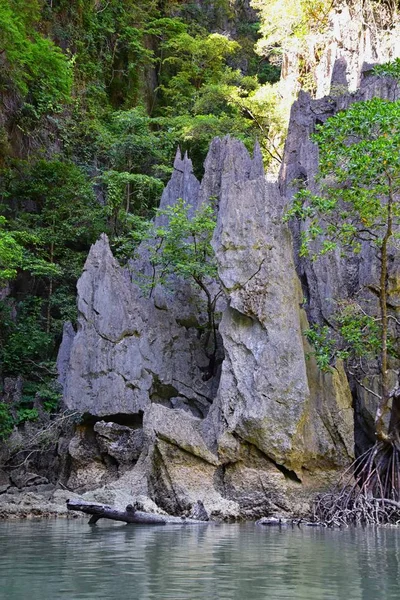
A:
[368,493]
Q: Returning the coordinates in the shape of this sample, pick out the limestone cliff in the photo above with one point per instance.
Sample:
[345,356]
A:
[351,36]
[264,428]
[245,441]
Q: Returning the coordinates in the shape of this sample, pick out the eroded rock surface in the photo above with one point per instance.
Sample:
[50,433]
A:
[248,444]
[131,350]
[353,36]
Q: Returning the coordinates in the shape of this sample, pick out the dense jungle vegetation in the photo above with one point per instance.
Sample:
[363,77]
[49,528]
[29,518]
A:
[95,98]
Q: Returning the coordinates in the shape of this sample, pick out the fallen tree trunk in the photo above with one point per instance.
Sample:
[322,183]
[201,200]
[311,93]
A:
[129,515]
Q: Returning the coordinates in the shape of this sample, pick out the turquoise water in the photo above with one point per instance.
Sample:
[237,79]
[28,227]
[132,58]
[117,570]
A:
[51,560]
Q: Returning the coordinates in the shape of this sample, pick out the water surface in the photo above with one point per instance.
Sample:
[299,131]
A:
[51,560]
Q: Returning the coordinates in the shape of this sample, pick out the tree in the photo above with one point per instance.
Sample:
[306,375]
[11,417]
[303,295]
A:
[359,205]
[285,22]
[182,249]
[191,63]
[52,218]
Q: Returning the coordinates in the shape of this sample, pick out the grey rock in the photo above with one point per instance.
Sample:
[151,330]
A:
[88,470]
[264,392]
[130,349]
[22,505]
[13,490]
[332,277]
[198,512]
[269,421]
[178,479]
[183,184]
[338,56]
[4,478]
[119,441]
[27,479]
[40,488]
[64,351]
[180,429]
[272,521]
[126,350]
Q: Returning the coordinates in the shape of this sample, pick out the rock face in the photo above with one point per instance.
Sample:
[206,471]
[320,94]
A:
[257,435]
[332,278]
[265,396]
[131,350]
[355,41]
[355,35]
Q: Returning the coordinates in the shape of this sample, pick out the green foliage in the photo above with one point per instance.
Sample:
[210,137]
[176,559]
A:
[98,96]
[285,22]
[53,216]
[358,204]
[25,413]
[49,394]
[36,66]
[130,142]
[14,255]
[130,192]
[45,393]
[191,63]
[198,92]
[390,69]
[52,213]
[178,244]
[11,253]
[359,169]
[324,346]
[296,27]
[109,47]
[355,335]
[360,332]
[182,247]
[25,343]
[6,421]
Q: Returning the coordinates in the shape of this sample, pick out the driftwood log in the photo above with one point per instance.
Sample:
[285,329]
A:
[129,515]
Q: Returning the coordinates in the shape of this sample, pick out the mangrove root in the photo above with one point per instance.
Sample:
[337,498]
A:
[371,495]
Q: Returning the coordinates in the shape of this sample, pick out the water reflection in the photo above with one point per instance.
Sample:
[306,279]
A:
[70,560]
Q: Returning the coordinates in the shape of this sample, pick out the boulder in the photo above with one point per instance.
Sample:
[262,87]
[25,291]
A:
[123,443]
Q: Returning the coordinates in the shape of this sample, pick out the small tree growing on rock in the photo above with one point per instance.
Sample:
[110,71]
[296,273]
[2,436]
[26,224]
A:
[359,204]
[182,249]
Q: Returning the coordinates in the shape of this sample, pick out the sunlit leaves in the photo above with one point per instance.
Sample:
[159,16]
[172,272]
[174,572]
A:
[285,22]
[359,167]
[355,335]
[185,242]
[11,253]
[390,69]
[181,246]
